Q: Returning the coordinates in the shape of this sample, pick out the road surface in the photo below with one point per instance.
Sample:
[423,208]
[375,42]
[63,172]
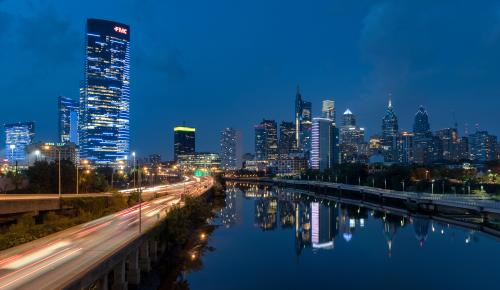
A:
[54,261]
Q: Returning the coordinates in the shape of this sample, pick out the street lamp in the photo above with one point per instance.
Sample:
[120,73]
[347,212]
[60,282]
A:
[432,186]
[37,154]
[133,154]
[85,162]
[403,185]
[47,147]
[426,174]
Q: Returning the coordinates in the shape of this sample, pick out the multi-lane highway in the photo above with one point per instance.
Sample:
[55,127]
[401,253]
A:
[54,261]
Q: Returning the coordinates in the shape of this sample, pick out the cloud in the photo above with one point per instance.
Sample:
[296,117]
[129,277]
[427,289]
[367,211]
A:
[49,38]
[425,47]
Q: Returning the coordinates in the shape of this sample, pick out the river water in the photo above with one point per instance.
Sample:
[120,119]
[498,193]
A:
[271,238]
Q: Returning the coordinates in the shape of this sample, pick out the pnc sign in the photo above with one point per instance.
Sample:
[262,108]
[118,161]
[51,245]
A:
[121,30]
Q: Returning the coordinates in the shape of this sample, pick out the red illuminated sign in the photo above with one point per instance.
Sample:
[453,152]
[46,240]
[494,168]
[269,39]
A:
[121,30]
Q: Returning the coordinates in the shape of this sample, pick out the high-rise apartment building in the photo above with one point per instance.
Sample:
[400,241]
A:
[230,149]
[104,129]
[324,145]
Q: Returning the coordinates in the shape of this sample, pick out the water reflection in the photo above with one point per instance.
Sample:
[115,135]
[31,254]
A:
[274,238]
[317,223]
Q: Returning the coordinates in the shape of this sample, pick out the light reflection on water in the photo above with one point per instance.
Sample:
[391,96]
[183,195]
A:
[273,238]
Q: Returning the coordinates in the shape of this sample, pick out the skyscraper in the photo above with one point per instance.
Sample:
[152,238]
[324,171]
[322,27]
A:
[266,140]
[405,147]
[352,139]
[184,141]
[328,110]
[230,149]
[303,124]
[104,100]
[389,133]
[298,116]
[449,141]
[286,144]
[482,146]
[68,120]
[17,137]
[324,144]
[423,141]
[421,126]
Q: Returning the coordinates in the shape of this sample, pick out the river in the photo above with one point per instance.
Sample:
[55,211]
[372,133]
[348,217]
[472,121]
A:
[272,238]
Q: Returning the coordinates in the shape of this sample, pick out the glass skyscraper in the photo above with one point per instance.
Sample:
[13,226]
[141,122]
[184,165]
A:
[104,129]
[17,137]
[266,140]
[68,120]
[390,132]
[325,144]
[184,141]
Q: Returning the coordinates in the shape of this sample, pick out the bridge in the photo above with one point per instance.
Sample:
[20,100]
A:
[108,252]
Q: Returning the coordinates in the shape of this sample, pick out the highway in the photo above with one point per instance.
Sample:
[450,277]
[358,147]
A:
[54,261]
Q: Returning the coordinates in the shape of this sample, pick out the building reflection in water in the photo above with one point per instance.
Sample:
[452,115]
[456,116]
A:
[317,223]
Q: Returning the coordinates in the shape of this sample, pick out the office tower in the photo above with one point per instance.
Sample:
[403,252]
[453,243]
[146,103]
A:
[298,116]
[184,141]
[404,147]
[328,110]
[68,120]
[17,137]
[463,148]
[286,145]
[449,141]
[104,98]
[305,128]
[324,225]
[421,126]
[303,124]
[390,132]
[352,138]
[266,141]
[348,118]
[324,144]
[482,146]
[423,140]
[230,149]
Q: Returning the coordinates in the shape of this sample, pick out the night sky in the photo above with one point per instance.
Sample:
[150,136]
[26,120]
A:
[221,63]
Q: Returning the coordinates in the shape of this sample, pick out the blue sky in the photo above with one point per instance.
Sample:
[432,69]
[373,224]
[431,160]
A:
[221,63]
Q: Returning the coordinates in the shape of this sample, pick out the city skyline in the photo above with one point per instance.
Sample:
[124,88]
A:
[321,75]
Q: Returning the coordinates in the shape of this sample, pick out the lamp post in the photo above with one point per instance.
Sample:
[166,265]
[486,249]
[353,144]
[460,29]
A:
[139,181]
[37,155]
[47,147]
[432,186]
[426,174]
[133,155]
[385,183]
[85,162]
[403,185]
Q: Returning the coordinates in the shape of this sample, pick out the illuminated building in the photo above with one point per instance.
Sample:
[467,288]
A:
[404,147]
[47,151]
[230,149]
[482,146]
[324,226]
[105,96]
[328,110]
[266,141]
[324,145]
[200,160]
[449,141]
[303,124]
[424,143]
[390,132]
[184,141]
[352,139]
[17,137]
[291,165]
[68,120]
[287,142]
